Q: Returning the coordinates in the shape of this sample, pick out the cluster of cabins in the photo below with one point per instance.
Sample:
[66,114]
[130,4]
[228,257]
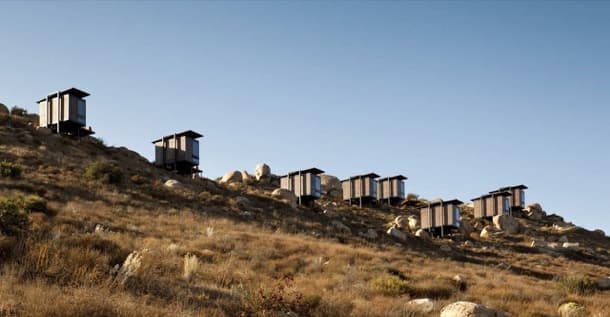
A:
[65,112]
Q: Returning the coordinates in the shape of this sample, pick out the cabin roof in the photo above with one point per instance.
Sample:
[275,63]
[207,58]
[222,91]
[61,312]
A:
[370,175]
[312,170]
[188,133]
[70,91]
[496,193]
[437,202]
[502,189]
[398,177]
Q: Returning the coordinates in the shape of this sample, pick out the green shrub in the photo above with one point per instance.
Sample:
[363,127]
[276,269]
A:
[13,221]
[576,284]
[17,111]
[33,203]
[105,171]
[389,284]
[8,169]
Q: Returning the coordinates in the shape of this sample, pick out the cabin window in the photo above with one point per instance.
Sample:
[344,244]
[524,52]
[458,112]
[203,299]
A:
[506,208]
[195,151]
[317,186]
[456,216]
[401,189]
[522,197]
[373,188]
[81,111]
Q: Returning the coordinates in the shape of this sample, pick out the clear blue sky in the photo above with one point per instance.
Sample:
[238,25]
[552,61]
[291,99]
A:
[462,97]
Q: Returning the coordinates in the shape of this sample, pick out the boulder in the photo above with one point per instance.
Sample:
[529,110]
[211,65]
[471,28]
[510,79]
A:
[489,232]
[245,176]
[563,239]
[262,171]
[466,228]
[43,131]
[421,233]
[506,223]
[600,232]
[370,234]
[422,305]
[402,223]
[604,283]
[469,309]
[331,186]
[285,196]
[571,309]
[395,232]
[4,109]
[341,227]
[172,183]
[571,245]
[413,223]
[232,177]
[534,211]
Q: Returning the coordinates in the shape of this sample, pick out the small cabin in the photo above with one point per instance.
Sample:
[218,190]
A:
[305,184]
[65,112]
[517,198]
[391,190]
[492,204]
[361,189]
[178,152]
[440,216]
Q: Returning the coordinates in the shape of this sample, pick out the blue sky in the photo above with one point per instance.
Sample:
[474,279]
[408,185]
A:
[461,97]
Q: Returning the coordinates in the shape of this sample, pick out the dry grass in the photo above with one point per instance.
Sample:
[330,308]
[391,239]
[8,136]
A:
[196,251]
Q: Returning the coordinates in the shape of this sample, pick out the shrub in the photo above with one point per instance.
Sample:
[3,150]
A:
[8,169]
[389,284]
[576,284]
[18,111]
[35,204]
[13,221]
[105,171]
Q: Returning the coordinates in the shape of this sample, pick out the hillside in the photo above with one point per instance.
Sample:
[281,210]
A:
[106,236]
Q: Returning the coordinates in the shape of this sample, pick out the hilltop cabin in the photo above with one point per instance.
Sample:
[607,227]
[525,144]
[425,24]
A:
[178,152]
[391,190]
[305,184]
[440,217]
[492,204]
[65,112]
[517,198]
[361,189]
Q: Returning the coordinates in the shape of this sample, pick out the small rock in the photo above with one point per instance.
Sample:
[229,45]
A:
[395,232]
[604,283]
[468,243]
[100,229]
[571,309]
[421,233]
[460,279]
[503,266]
[539,244]
[571,245]
[341,227]
[422,305]
[563,239]
[445,248]
[469,309]
[371,234]
[172,183]
[490,232]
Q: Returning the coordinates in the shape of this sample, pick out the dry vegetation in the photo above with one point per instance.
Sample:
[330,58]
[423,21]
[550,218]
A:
[104,237]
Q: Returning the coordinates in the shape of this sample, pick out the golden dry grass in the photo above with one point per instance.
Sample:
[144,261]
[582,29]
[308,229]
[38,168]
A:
[260,258]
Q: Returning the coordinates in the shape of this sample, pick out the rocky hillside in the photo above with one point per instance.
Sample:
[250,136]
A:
[91,230]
